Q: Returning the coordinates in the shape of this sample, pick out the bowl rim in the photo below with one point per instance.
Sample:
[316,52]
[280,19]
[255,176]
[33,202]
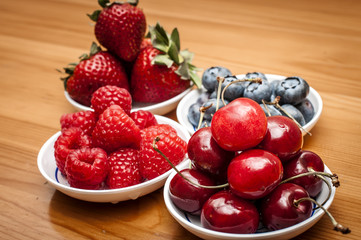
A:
[53,181]
[262,235]
[138,105]
[182,110]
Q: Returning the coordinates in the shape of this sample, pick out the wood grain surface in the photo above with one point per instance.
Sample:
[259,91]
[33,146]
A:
[319,40]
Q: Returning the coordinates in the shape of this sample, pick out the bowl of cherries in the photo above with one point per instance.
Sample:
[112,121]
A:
[249,177]
[277,95]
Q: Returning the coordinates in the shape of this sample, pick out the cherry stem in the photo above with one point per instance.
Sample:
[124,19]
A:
[156,139]
[265,106]
[333,177]
[252,80]
[329,189]
[276,103]
[336,226]
[202,110]
[220,81]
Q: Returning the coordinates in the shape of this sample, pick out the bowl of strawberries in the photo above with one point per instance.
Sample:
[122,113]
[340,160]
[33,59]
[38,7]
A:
[107,155]
[154,69]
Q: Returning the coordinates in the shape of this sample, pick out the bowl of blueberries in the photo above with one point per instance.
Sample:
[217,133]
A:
[277,95]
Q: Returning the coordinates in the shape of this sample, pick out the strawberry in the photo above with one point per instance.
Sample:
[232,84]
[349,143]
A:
[143,119]
[85,120]
[124,169]
[95,70]
[162,71]
[87,168]
[115,129]
[151,163]
[69,140]
[120,28]
[109,95]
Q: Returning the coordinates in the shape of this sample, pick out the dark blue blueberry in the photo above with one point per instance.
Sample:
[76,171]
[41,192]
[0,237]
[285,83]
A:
[208,114]
[194,114]
[292,90]
[307,110]
[213,95]
[272,110]
[258,91]
[209,77]
[234,90]
[295,113]
[274,85]
[203,97]
[254,75]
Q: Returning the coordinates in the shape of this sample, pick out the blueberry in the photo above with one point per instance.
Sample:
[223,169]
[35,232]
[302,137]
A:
[254,75]
[234,90]
[272,110]
[307,110]
[209,77]
[295,113]
[258,91]
[292,90]
[274,85]
[194,114]
[213,95]
[208,114]
[203,97]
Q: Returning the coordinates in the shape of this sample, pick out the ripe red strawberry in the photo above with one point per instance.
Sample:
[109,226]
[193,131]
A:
[109,95]
[120,27]
[98,69]
[115,129]
[143,119]
[85,120]
[151,163]
[124,168]
[69,140]
[161,71]
[87,168]
[145,43]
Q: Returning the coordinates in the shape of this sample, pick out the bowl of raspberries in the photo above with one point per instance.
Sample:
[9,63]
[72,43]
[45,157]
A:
[277,95]
[107,154]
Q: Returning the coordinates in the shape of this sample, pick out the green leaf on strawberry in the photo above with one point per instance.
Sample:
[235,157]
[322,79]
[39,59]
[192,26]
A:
[169,45]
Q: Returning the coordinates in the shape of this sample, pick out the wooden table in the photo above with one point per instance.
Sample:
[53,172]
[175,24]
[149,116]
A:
[319,40]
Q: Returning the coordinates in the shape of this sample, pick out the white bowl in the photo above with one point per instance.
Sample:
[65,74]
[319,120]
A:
[155,108]
[190,98]
[48,168]
[193,225]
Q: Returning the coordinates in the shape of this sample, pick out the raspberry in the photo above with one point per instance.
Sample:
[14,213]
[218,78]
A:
[151,163]
[69,140]
[109,95]
[143,119]
[124,169]
[115,129]
[87,168]
[85,120]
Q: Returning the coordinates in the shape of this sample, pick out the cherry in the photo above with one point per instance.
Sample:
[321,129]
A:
[187,196]
[304,162]
[226,212]
[239,125]
[206,155]
[278,209]
[254,173]
[283,138]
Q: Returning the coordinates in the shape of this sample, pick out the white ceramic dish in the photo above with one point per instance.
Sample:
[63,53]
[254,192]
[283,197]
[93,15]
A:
[190,98]
[193,225]
[48,168]
[155,108]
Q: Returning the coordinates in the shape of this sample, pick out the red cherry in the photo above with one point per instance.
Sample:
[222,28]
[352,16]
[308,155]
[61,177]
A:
[278,209]
[254,173]
[239,125]
[189,197]
[226,212]
[304,162]
[283,138]
[206,155]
